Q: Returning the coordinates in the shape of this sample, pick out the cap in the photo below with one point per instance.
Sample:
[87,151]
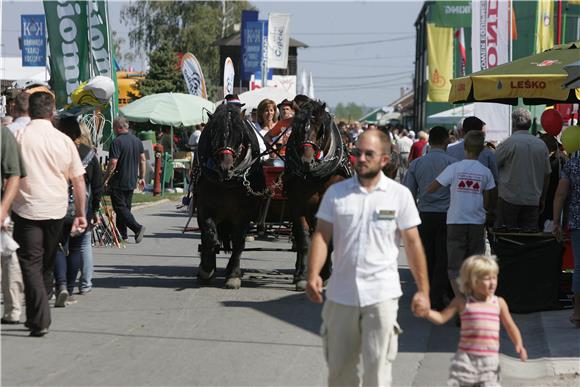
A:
[287,103]
[233,99]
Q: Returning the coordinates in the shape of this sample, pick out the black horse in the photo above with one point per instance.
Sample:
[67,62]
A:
[315,159]
[227,199]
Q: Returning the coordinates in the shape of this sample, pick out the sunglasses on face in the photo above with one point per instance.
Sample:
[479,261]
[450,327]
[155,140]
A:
[369,154]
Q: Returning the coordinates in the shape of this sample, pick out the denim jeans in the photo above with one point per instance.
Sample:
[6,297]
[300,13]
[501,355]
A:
[67,267]
[87,263]
[576,250]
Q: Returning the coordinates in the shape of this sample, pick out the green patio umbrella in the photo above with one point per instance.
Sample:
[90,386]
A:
[171,109]
[538,79]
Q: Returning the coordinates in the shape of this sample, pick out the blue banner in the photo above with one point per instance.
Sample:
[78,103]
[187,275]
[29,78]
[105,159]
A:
[248,45]
[33,35]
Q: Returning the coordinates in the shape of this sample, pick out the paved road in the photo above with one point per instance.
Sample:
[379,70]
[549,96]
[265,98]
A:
[148,323]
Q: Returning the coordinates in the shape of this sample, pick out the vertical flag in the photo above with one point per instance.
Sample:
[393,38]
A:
[310,87]
[101,58]
[33,32]
[544,25]
[229,76]
[460,36]
[67,24]
[440,60]
[303,89]
[248,45]
[490,41]
[193,75]
[278,40]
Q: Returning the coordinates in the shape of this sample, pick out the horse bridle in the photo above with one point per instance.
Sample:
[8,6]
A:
[226,150]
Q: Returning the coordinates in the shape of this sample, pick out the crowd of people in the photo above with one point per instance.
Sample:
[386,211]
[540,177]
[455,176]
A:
[52,189]
[437,190]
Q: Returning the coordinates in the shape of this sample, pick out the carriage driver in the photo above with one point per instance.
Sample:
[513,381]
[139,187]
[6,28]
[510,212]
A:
[280,133]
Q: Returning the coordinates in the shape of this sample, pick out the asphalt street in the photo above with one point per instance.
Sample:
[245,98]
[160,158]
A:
[149,323]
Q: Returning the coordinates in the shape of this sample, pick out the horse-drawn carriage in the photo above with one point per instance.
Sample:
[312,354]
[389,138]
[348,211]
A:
[233,189]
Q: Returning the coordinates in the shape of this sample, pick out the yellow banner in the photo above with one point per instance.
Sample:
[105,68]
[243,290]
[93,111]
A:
[440,57]
[544,25]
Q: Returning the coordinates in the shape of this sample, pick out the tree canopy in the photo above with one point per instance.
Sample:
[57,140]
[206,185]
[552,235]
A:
[350,111]
[164,75]
[184,26]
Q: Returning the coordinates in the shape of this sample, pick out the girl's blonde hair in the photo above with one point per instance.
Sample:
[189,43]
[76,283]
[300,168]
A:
[473,269]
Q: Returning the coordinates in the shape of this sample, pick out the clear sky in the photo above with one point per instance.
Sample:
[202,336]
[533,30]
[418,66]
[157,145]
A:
[360,51]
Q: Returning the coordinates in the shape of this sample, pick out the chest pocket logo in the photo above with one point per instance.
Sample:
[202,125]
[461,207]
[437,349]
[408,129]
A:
[385,220]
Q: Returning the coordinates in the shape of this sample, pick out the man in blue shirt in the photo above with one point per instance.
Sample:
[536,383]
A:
[486,157]
[433,211]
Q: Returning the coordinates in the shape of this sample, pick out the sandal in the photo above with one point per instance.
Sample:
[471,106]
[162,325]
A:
[575,321]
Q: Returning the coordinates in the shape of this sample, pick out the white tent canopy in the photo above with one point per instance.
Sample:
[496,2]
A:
[11,70]
[451,116]
[254,97]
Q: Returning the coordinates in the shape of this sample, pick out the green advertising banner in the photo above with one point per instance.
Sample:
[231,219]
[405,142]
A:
[450,13]
[69,47]
[102,58]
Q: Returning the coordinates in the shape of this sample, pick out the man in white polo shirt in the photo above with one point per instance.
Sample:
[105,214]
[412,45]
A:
[365,216]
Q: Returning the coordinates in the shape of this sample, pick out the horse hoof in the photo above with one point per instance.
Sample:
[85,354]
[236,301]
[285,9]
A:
[233,283]
[300,285]
[204,275]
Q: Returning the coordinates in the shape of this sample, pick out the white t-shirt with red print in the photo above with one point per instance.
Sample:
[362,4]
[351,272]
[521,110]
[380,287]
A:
[466,179]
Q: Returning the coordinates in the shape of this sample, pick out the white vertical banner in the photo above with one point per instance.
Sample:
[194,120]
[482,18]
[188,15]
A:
[310,87]
[490,45]
[278,40]
[303,89]
[229,76]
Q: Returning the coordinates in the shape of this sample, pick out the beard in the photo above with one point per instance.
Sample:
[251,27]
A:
[367,171]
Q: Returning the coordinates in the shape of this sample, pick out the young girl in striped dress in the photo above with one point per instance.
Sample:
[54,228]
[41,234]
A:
[476,361]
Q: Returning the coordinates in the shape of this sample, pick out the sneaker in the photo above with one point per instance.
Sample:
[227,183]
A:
[139,236]
[86,291]
[61,299]
[71,300]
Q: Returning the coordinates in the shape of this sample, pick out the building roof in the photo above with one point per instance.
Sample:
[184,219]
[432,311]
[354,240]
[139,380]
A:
[235,40]
[405,100]
[374,116]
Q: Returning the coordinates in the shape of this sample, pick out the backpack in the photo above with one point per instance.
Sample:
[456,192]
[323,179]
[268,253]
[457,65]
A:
[70,211]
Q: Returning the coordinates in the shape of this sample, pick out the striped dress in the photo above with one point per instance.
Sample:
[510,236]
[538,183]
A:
[480,327]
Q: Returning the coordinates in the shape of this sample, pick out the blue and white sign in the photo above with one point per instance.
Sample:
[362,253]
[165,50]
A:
[33,34]
[247,16]
[253,53]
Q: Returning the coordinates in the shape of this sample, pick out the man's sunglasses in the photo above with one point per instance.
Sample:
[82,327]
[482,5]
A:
[369,154]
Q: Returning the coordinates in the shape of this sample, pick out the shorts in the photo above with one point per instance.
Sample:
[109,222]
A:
[468,369]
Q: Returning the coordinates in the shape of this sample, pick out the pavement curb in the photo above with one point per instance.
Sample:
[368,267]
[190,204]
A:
[150,204]
[539,368]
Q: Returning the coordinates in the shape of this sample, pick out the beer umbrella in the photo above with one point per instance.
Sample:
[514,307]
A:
[538,79]
[573,80]
[170,109]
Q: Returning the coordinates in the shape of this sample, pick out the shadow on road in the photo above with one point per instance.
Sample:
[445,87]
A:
[125,276]
[171,215]
[295,309]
